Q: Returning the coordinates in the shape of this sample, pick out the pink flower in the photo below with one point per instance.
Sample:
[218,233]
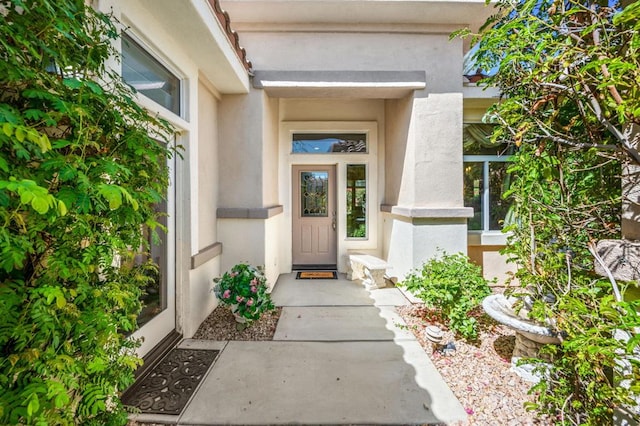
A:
[469,411]
[250,302]
[239,299]
[254,289]
[226,294]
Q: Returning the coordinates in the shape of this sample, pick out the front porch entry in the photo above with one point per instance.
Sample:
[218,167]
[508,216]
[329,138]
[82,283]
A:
[314,216]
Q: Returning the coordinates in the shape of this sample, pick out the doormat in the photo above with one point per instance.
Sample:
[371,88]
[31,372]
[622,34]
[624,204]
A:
[169,385]
[317,275]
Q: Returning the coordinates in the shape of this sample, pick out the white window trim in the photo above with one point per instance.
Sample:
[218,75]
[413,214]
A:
[152,105]
[367,212]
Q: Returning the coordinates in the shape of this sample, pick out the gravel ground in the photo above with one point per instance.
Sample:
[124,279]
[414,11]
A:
[221,325]
[479,373]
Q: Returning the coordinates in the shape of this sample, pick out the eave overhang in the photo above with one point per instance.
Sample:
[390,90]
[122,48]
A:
[210,43]
[339,84]
[459,13]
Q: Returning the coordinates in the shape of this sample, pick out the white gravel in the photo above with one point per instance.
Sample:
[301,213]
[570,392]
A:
[478,373]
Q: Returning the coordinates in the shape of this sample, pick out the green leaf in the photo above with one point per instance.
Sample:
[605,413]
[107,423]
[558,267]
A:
[72,83]
[40,204]
[44,143]
[26,197]
[34,114]
[95,88]
[7,128]
[33,406]
[61,302]
[62,208]
[20,134]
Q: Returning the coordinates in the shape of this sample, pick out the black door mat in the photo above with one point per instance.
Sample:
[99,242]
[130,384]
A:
[317,275]
[169,385]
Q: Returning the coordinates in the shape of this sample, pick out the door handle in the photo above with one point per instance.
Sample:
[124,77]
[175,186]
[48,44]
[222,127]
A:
[333,221]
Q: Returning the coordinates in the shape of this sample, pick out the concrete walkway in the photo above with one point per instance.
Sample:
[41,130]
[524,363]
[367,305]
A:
[339,357]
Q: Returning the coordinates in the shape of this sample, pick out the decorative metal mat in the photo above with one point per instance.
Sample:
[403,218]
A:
[169,385]
[317,275]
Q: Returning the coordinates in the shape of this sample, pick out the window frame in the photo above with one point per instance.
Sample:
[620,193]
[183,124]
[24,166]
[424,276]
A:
[371,160]
[485,160]
[328,136]
[146,101]
[367,214]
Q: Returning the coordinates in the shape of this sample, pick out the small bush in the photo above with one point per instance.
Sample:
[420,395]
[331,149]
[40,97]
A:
[453,286]
[244,290]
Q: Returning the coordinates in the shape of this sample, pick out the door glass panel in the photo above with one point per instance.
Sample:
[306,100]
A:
[314,194]
[356,201]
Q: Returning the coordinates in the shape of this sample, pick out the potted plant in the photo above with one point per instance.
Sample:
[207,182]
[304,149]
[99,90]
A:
[244,290]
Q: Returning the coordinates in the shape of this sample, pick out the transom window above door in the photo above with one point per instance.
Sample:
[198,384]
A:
[329,143]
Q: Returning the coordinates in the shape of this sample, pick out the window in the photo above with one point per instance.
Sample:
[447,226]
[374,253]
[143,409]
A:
[154,297]
[325,143]
[148,76]
[485,178]
[356,201]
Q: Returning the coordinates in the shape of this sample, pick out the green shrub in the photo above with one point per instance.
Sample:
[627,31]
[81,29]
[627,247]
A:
[453,286]
[79,177]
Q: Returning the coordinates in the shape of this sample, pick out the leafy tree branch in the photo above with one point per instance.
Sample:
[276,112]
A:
[80,176]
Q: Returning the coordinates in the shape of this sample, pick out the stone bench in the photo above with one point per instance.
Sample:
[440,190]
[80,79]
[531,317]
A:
[369,269]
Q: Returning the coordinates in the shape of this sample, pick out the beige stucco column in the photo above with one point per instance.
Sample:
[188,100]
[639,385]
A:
[248,214]
[423,195]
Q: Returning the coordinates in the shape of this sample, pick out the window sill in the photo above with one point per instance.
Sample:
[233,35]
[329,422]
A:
[487,238]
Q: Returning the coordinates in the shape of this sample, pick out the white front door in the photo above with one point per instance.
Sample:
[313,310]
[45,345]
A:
[314,216]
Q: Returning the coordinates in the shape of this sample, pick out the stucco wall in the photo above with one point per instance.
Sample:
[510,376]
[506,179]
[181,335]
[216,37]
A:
[332,110]
[430,171]
[248,237]
[207,166]
[198,297]
[270,192]
[240,150]
[272,248]
[384,51]
[248,179]
[494,265]
[201,300]
[424,151]
[398,117]
[411,242]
